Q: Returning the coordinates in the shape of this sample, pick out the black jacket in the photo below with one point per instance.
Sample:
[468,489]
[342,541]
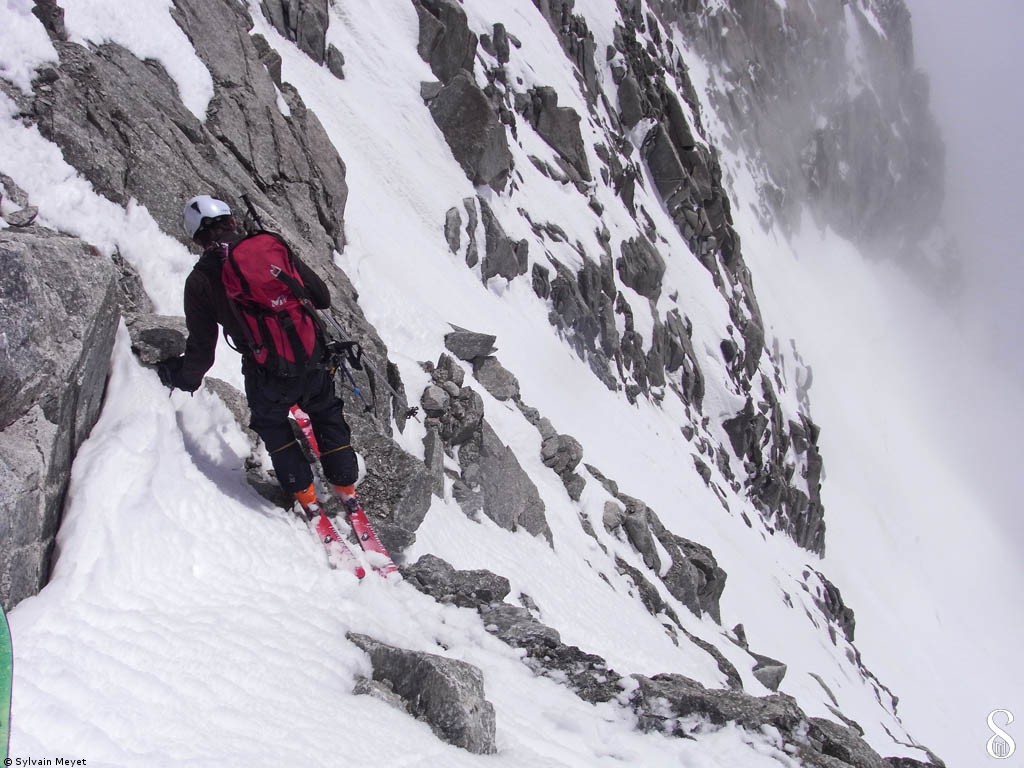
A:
[207,308]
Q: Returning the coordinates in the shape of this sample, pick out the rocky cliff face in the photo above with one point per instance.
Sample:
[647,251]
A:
[121,123]
[861,158]
[827,98]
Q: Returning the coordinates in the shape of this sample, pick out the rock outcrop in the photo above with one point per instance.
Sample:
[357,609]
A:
[670,704]
[60,302]
[445,693]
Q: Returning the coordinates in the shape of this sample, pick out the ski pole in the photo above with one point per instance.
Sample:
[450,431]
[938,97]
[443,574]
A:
[252,211]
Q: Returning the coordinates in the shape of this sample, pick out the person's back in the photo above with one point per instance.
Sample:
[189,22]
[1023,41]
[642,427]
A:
[272,387]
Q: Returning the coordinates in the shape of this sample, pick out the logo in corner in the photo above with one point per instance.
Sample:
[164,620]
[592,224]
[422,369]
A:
[1001,745]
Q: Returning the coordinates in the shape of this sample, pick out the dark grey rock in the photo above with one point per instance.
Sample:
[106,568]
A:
[52,17]
[636,522]
[434,400]
[335,61]
[23,217]
[447,371]
[631,109]
[662,699]
[502,50]
[381,691]
[559,127]
[462,421]
[302,21]
[60,310]
[472,129]
[842,743]
[452,229]
[517,627]
[495,378]
[468,589]
[433,449]
[472,220]
[271,58]
[587,675]
[671,178]
[503,257]
[649,595]
[468,345]
[11,191]
[770,672]
[445,41]
[562,453]
[641,267]
[157,337]
[510,498]
[164,155]
[574,484]
[829,600]
[445,693]
[613,516]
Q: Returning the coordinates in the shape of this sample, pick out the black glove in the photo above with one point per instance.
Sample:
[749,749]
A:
[169,371]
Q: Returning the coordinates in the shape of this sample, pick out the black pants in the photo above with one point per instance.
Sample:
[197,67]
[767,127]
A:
[271,397]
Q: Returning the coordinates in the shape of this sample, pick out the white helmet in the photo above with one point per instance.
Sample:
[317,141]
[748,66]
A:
[200,208]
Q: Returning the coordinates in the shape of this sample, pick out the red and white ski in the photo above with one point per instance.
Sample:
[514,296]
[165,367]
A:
[378,556]
[339,554]
[302,419]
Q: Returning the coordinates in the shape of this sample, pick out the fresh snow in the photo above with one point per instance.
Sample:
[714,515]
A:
[147,29]
[189,622]
[24,45]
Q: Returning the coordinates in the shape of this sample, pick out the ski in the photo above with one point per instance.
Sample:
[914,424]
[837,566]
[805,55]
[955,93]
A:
[339,554]
[6,683]
[379,558]
[302,419]
[367,537]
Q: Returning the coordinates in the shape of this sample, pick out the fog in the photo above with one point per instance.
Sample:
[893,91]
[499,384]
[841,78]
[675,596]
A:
[971,53]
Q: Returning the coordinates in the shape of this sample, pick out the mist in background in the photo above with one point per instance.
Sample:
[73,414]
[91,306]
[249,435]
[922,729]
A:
[971,53]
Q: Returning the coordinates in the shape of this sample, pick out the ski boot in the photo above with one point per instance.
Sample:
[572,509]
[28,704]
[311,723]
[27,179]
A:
[309,502]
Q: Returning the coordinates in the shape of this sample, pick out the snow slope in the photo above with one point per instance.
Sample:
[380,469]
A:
[189,622]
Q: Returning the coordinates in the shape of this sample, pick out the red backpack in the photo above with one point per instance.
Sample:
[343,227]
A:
[271,303]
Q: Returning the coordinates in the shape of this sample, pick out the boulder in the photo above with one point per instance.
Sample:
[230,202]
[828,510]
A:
[503,256]
[660,701]
[559,127]
[302,21]
[495,378]
[445,693]
[468,589]
[452,227]
[157,337]
[768,671]
[446,42]
[641,267]
[473,131]
[469,345]
[510,498]
[562,453]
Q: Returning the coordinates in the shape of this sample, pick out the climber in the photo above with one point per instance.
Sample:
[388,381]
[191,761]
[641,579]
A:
[281,341]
